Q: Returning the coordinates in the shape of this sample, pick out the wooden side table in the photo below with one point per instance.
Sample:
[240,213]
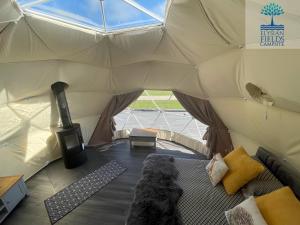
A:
[12,191]
[143,135]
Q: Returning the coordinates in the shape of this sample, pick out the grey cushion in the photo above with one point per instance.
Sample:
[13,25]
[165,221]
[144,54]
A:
[284,172]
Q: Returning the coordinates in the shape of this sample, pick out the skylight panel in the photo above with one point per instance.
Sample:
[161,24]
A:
[120,15]
[83,12]
[26,2]
[103,15]
[156,6]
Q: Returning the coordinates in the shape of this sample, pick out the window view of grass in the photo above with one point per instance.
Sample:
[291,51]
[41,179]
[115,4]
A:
[156,93]
[151,99]
[145,104]
[143,113]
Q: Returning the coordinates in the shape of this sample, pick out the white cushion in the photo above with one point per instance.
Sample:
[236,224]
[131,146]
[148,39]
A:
[246,213]
[216,169]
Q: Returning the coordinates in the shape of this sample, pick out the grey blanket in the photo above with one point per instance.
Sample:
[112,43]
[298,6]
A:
[156,194]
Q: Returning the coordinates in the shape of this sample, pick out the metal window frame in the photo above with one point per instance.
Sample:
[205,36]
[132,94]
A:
[27,5]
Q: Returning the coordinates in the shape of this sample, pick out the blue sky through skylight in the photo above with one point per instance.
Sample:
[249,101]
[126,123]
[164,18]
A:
[118,14]
[156,6]
[86,12]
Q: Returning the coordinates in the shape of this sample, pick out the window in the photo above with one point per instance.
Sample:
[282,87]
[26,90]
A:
[101,15]
[160,110]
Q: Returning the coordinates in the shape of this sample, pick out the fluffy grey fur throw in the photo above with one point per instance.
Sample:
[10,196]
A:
[156,194]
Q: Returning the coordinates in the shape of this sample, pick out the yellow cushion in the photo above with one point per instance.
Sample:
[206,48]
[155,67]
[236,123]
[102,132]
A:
[280,207]
[242,169]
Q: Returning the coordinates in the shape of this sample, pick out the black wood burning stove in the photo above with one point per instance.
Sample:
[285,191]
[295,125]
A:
[69,136]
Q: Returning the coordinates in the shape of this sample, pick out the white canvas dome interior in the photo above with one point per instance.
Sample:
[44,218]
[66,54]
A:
[199,50]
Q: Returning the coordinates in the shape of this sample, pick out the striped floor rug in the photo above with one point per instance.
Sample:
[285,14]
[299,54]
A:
[75,194]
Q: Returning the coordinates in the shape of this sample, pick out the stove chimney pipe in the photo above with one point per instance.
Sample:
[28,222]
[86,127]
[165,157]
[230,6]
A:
[58,90]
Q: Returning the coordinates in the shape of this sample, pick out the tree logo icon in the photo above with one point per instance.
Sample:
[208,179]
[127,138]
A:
[272,34]
[272,9]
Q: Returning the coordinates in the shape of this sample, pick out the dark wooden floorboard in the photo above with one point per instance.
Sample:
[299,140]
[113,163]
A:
[109,206]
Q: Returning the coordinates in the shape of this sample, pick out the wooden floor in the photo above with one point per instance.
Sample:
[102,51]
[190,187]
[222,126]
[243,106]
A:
[109,206]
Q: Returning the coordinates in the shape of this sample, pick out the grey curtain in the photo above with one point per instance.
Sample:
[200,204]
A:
[105,128]
[217,135]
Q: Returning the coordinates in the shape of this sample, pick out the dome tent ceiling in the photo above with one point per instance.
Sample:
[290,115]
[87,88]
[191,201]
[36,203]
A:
[9,11]
[198,50]
[102,15]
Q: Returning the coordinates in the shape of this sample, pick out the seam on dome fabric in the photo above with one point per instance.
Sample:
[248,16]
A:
[20,11]
[181,52]
[212,24]
[160,41]
[164,36]
[108,43]
[5,27]
[38,36]
[221,31]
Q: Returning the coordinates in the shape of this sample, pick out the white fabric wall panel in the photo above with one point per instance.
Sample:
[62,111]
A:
[96,55]
[83,104]
[144,45]
[276,72]
[26,137]
[18,42]
[86,108]
[9,11]
[37,111]
[23,80]
[228,19]
[27,154]
[88,125]
[168,51]
[250,145]
[82,77]
[157,75]
[189,26]
[3,26]
[9,122]
[62,39]
[221,80]
[135,46]
[3,93]
[271,127]
[129,77]
[181,77]
[36,77]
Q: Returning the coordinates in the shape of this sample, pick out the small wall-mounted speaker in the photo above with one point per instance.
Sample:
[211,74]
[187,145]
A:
[259,95]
